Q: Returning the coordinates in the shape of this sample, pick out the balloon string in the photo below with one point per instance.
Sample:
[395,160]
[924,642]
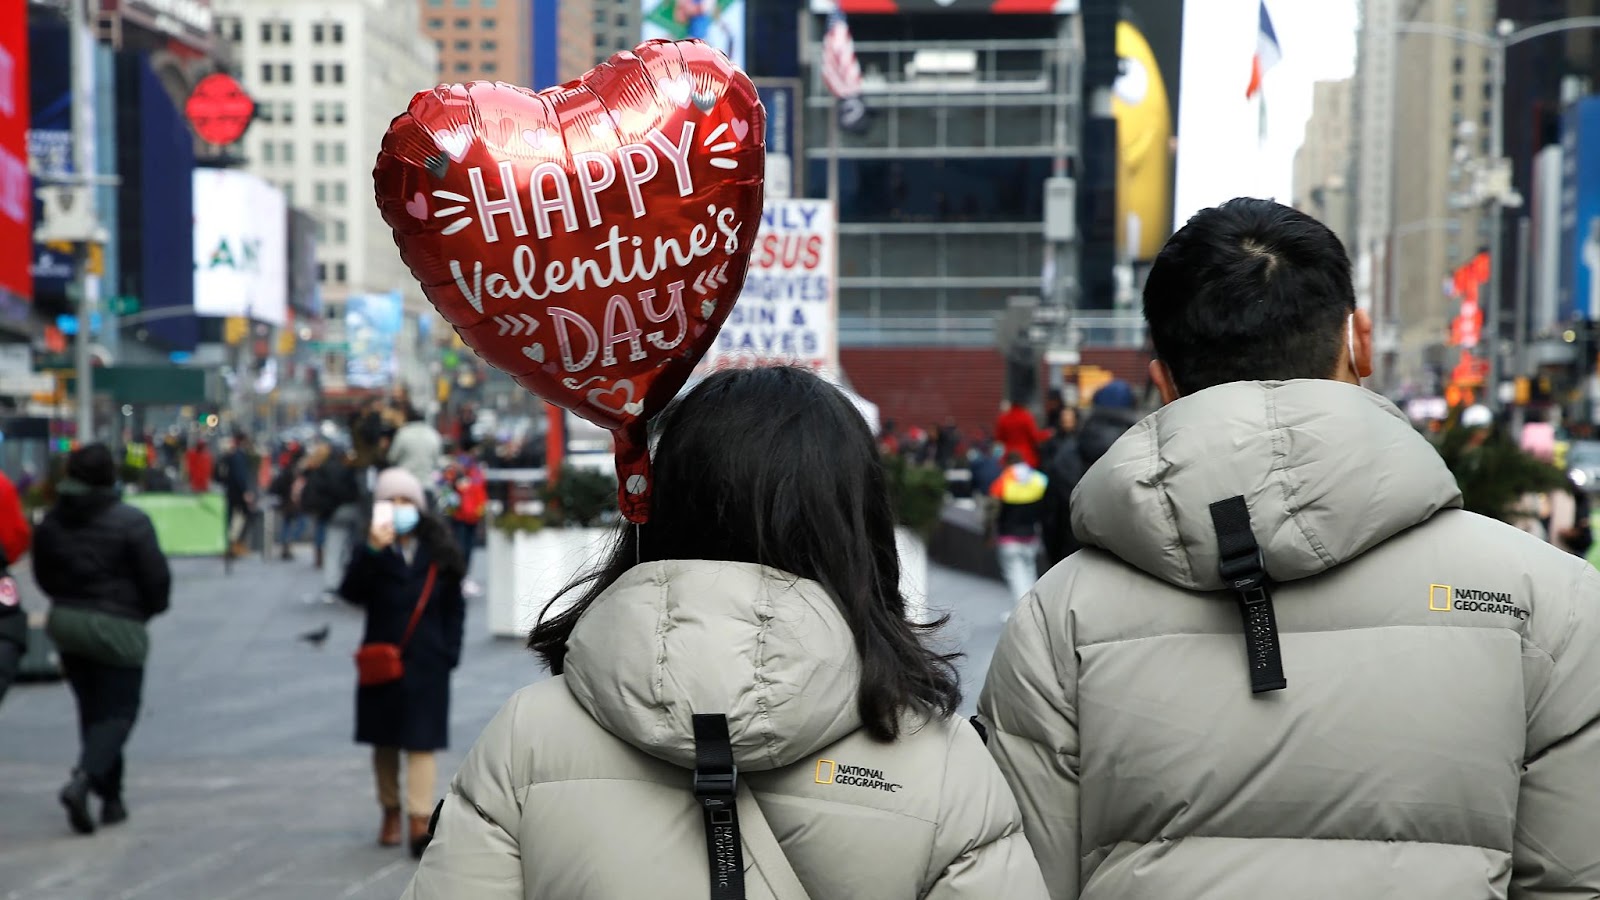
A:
[638,544]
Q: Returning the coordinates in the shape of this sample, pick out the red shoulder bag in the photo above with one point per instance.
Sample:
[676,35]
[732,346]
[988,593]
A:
[379,663]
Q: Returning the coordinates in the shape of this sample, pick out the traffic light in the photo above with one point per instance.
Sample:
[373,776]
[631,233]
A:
[234,329]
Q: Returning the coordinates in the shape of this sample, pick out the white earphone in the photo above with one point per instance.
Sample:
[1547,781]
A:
[1350,341]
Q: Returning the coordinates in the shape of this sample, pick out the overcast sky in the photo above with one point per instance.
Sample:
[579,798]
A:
[1219,152]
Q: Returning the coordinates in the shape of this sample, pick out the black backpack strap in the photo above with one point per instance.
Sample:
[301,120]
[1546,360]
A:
[716,783]
[1242,569]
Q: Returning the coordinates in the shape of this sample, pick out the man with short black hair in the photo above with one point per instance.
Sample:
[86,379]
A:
[1287,664]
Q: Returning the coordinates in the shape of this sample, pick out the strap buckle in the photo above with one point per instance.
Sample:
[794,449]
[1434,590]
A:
[1246,574]
[714,787]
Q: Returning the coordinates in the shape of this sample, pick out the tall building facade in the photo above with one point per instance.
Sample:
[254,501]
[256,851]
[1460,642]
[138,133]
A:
[1322,167]
[481,40]
[1422,120]
[328,76]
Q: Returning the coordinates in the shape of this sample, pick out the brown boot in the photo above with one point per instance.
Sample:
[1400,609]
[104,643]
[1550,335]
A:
[389,834]
[419,835]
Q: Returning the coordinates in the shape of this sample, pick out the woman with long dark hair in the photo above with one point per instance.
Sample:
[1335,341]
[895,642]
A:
[748,649]
[408,578]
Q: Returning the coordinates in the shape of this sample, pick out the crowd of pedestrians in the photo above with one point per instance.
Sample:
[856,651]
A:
[1275,653]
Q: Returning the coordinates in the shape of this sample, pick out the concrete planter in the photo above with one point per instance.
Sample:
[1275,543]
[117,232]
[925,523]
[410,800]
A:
[527,569]
[913,552]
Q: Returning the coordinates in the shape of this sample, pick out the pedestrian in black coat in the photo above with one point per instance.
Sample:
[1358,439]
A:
[1113,413]
[387,576]
[99,561]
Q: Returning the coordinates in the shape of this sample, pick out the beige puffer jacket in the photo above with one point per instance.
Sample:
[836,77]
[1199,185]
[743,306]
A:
[579,789]
[1439,738]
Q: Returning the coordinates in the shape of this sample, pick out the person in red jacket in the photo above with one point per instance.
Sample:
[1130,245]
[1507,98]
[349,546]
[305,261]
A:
[200,465]
[1019,433]
[15,535]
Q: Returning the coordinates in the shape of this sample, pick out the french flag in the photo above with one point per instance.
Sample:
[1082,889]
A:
[1268,53]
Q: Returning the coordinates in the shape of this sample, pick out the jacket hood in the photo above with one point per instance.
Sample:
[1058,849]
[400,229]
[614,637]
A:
[1329,470]
[77,502]
[675,638]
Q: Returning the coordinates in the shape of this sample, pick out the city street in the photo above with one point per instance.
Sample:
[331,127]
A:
[242,780]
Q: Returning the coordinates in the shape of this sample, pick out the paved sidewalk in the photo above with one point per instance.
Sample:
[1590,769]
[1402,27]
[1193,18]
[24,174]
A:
[243,783]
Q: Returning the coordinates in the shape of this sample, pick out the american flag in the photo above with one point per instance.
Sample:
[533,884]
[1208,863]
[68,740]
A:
[841,72]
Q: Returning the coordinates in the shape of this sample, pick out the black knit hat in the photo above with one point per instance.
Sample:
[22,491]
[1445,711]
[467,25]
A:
[92,465]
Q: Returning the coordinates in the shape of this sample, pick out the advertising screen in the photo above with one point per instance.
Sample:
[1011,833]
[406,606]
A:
[241,234]
[16,187]
[1580,212]
[719,23]
[372,324]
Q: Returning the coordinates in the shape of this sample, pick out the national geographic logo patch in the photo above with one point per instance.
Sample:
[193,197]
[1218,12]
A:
[830,772]
[1444,598]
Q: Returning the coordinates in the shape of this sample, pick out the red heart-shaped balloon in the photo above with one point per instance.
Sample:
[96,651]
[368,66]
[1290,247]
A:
[589,240]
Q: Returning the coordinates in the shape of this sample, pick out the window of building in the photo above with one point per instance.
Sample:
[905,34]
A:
[622,20]
[339,272]
[488,68]
[285,73]
[489,4]
[490,46]
[319,152]
[266,32]
[322,271]
[338,152]
[435,3]
[285,32]
[338,192]
[623,44]
[338,112]
[338,231]
[599,17]
[288,151]
[238,31]
[435,23]
[463,23]
[1488,91]
[1457,64]
[264,111]
[1455,91]
[463,4]
[288,193]
[462,68]
[463,45]
[338,73]
[266,151]
[318,73]
[320,191]
[600,42]
[316,32]
[266,73]
[319,113]
[490,23]
[286,113]
[338,33]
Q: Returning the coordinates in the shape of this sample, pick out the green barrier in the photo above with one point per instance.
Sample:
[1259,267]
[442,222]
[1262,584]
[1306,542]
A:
[186,524]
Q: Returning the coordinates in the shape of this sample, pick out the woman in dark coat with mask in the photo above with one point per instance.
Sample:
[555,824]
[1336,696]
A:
[389,576]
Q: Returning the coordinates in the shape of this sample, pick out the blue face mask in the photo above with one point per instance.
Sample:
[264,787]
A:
[405,519]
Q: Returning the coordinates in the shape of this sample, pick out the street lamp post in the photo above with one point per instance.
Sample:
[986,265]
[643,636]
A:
[1498,194]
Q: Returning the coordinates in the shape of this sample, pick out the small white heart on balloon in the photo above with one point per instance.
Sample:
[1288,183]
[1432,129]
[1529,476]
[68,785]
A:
[678,90]
[455,141]
[534,352]
[633,409]
[535,137]
[740,129]
[708,307]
